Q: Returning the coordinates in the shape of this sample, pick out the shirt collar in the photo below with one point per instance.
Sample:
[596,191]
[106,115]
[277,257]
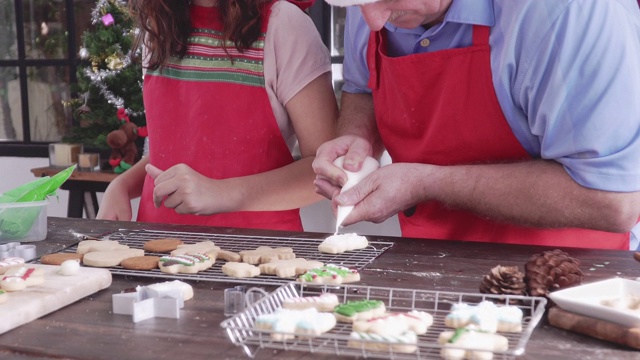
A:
[475,12]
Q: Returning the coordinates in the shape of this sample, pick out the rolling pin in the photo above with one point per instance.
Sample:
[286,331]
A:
[596,328]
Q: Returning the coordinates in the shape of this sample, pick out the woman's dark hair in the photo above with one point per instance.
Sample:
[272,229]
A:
[164,26]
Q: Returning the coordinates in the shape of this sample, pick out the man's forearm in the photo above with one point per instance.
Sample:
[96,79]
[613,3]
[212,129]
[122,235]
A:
[538,193]
[357,117]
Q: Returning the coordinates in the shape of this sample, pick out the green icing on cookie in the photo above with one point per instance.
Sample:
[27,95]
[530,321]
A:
[325,271]
[458,333]
[350,308]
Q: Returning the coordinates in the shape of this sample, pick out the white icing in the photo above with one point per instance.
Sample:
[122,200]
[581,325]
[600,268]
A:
[343,242]
[69,267]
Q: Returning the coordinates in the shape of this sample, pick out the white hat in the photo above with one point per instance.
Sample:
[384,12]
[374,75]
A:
[349,2]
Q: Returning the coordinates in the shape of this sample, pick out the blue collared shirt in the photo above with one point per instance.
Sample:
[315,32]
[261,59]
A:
[566,74]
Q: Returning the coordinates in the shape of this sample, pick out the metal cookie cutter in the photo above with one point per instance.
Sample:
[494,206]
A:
[238,298]
[15,249]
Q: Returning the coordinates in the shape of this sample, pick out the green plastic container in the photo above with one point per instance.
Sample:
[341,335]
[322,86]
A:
[23,221]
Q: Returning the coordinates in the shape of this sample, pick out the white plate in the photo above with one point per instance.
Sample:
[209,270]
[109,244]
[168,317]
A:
[588,300]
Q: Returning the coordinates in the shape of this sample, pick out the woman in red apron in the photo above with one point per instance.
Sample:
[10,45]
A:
[218,154]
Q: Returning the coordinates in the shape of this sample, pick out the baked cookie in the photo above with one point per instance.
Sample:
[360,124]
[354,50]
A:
[330,274]
[358,310]
[59,258]
[87,246]
[265,254]
[109,258]
[289,267]
[162,245]
[486,316]
[169,287]
[3,296]
[19,278]
[402,343]
[204,247]
[227,255]
[469,344]
[185,264]
[324,302]
[10,262]
[145,262]
[287,324]
[395,324]
[240,270]
[337,244]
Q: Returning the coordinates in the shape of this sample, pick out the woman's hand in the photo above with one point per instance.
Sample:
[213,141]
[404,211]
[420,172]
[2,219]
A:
[189,192]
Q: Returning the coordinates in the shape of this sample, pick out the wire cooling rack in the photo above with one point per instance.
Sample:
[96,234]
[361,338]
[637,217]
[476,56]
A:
[303,248]
[241,331]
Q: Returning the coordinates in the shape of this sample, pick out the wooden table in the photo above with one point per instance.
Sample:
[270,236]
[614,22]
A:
[82,186]
[88,330]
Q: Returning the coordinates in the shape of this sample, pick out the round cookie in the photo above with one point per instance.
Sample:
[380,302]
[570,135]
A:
[146,262]
[162,245]
[59,258]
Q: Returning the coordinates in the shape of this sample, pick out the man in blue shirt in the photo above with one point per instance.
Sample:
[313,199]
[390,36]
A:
[507,121]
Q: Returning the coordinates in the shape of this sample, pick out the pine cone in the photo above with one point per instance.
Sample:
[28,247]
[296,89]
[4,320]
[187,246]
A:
[504,280]
[551,271]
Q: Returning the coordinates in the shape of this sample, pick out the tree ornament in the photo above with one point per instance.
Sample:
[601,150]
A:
[114,62]
[551,271]
[83,53]
[84,109]
[108,20]
[504,280]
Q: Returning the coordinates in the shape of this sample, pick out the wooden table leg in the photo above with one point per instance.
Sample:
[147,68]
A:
[76,204]
[90,204]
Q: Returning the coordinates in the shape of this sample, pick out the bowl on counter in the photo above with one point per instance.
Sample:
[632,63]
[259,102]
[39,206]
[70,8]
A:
[615,300]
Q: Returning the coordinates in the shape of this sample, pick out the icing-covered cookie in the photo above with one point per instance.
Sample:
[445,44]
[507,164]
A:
[10,262]
[337,244]
[324,302]
[470,344]
[402,343]
[19,278]
[185,264]
[396,323]
[330,274]
[357,310]
[286,324]
[485,316]
[204,247]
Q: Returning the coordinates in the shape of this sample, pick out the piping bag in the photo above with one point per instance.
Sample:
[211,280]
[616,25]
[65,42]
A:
[368,166]
[15,222]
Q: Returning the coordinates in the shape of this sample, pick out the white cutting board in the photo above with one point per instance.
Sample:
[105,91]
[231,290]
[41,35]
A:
[57,291]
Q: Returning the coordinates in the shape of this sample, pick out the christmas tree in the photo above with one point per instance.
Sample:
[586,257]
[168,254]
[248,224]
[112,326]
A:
[110,80]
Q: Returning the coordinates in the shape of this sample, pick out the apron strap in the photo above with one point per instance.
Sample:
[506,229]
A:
[481,35]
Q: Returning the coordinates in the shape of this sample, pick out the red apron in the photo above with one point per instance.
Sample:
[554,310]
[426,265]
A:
[215,117]
[441,108]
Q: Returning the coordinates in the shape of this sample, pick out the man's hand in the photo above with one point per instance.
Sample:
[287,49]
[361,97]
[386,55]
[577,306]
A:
[330,178]
[384,193]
